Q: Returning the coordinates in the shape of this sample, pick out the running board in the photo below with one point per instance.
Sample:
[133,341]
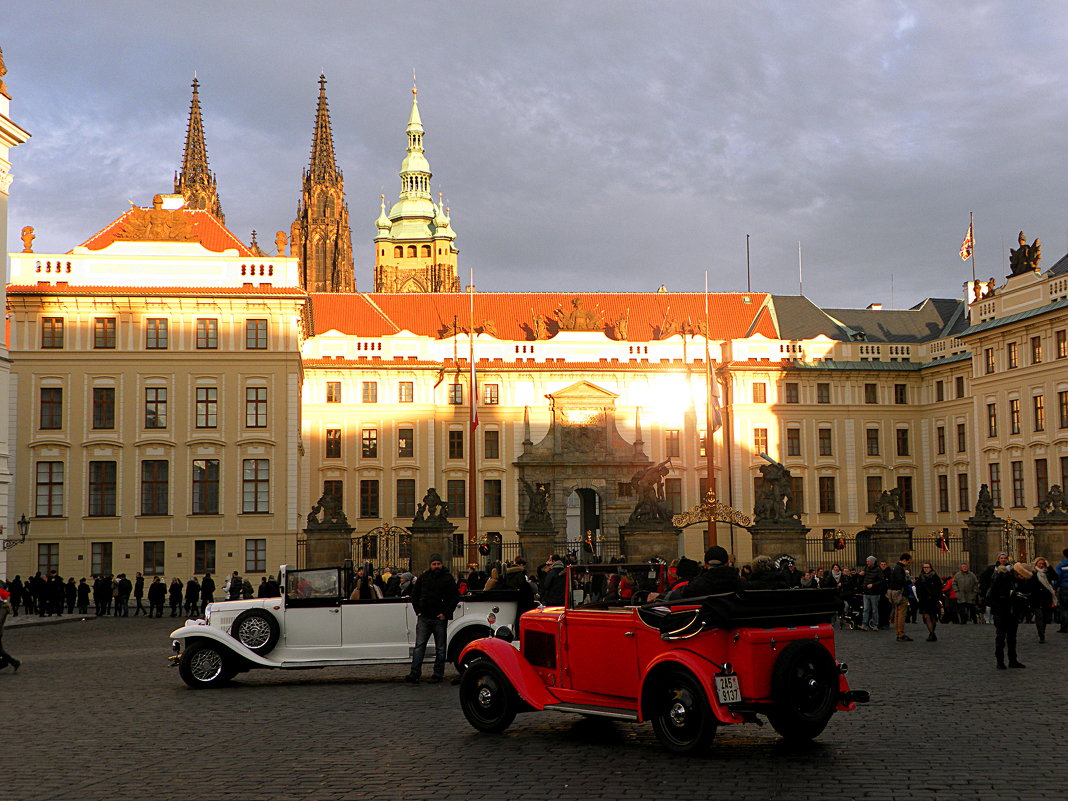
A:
[600,711]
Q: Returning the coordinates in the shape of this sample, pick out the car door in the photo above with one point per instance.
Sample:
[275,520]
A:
[602,656]
[375,629]
[313,608]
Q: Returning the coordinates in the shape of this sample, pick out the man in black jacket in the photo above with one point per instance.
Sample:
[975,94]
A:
[900,582]
[553,585]
[872,586]
[717,577]
[138,594]
[434,599]
[207,592]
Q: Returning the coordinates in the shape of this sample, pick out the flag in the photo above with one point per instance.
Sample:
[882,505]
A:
[717,417]
[966,247]
[441,376]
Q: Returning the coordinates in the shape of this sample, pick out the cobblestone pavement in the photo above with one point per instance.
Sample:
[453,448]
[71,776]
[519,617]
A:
[96,713]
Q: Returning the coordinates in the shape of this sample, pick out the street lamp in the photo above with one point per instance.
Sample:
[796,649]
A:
[23,526]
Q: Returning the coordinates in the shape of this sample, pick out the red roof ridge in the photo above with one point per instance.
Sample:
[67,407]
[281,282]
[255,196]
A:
[211,233]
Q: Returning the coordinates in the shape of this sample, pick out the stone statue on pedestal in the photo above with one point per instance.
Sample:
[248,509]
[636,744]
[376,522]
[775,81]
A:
[1053,505]
[333,514]
[984,504]
[432,509]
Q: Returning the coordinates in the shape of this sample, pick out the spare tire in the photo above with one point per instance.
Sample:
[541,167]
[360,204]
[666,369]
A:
[804,686]
[257,630]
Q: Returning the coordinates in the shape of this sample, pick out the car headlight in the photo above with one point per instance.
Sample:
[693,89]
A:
[176,645]
[504,633]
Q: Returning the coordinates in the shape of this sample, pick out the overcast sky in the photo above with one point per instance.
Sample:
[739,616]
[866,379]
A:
[581,146]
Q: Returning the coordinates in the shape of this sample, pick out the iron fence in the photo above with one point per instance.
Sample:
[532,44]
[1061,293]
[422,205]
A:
[945,552]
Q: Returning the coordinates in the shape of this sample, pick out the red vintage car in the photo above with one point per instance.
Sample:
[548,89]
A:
[688,666]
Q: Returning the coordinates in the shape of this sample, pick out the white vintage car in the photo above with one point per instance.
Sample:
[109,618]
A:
[314,624]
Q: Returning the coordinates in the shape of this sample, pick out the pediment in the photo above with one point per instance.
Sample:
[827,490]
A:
[584,391]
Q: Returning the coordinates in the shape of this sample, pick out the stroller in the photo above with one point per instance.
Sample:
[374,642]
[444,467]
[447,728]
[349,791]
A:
[852,611]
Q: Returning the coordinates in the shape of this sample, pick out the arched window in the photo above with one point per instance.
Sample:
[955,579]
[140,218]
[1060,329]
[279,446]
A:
[426,250]
[322,268]
[411,251]
[398,251]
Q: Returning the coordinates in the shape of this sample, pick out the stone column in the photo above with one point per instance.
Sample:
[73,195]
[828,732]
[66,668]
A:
[328,546]
[1051,536]
[774,538]
[886,542]
[536,544]
[641,542]
[430,537]
[985,539]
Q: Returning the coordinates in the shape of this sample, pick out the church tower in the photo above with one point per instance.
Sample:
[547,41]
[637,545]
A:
[414,248]
[320,236]
[195,182]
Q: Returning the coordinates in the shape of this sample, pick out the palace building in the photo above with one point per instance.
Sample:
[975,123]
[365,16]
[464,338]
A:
[183,399]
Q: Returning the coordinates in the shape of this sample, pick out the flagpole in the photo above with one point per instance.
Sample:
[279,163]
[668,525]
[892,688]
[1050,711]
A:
[748,275]
[710,532]
[472,457]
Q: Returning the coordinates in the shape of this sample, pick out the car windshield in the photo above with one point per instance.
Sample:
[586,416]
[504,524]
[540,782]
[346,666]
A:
[613,586]
[321,583]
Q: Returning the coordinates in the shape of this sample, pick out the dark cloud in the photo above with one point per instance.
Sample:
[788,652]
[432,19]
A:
[601,145]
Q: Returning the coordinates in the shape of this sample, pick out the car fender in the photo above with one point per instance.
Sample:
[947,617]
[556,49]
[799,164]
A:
[703,670]
[524,678]
[194,632]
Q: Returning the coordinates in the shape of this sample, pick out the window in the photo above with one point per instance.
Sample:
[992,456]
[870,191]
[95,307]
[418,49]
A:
[1014,415]
[940,440]
[1017,483]
[491,446]
[823,393]
[52,333]
[405,392]
[1012,356]
[102,489]
[49,501]
[155,474]
[959,385]
[47,557]
[491,497]
[988,360]
[1062,409]
[369,443]
[51,408]
[456,394]
[1038,412]
[1064,472]
[1041,478]
[871,393]
[256,556]
[406,497]
[152,564]
[828,501]
[872,436]
[962,492]
[333,443]
[204,556]
[671,442]
[962,438]
[255,486]
[103,407]
[335,489]
[940,391]
[156,333]
[1061,341]
[207,407]
[368,497]
[793,442]
[991,420]
[456,497]
[902,441]
[406,442]
[995,484]
[205,487]
[456,444]
[796,504]
[369,392]
[791,393]
[874,487]
[624,489]
[825,448]
[100,559]
[255,334]
[701,444]
[943,493]
[904,484]
[760,392]
[155,407]
[256,407]
[1036,350]
[490,396]
[333,392]
[208,339]
[104,333]
[901,393]
[760,440]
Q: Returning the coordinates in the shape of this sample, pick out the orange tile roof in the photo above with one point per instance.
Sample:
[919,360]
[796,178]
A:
[60,288]
[211,233]
[512,313]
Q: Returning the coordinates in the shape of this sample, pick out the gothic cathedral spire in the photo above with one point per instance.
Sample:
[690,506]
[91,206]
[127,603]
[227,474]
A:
[415,248]
[320,236]
[195,182]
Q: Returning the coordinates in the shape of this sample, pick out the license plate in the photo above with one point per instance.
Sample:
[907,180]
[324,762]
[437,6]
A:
[727,691]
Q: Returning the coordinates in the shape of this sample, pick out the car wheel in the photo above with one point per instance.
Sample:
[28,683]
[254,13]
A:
[682,718]
[487,698]
[462,640]
[205,664]
[256,629]
[804,689]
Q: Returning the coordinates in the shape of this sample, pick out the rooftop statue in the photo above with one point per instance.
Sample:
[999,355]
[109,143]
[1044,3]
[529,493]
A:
[578,318]
[3,72]
[1025,258]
